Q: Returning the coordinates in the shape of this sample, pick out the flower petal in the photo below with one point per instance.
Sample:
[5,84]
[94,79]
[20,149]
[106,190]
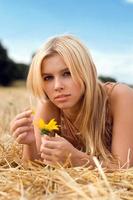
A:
[41,124]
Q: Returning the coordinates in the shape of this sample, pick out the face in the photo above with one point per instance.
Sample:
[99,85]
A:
[59,86]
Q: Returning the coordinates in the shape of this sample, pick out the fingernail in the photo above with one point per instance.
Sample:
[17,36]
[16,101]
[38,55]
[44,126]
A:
[29,111]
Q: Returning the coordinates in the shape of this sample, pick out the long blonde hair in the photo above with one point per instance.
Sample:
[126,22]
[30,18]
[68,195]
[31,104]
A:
[92,115]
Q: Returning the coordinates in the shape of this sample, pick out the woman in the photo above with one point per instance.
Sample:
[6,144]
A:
[95,119]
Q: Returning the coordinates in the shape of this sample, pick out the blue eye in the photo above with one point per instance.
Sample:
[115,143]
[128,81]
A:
[47,78]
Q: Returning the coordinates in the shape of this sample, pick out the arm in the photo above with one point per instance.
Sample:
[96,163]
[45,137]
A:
[55,150]
[24,133]
[30,152]
[46,111]
[22,130]
[122,112]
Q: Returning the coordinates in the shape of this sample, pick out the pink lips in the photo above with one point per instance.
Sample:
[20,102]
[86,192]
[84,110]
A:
[62,97]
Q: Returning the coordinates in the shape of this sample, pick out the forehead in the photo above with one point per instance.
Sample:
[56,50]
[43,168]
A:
[53,63]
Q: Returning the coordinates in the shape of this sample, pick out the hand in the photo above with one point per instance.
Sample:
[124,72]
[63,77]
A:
[22,128]
[57,150]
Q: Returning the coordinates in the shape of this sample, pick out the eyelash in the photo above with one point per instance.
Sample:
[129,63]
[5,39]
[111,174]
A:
[47,78]
[65,74]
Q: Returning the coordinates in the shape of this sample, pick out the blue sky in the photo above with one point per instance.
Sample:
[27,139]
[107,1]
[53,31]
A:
[105,26]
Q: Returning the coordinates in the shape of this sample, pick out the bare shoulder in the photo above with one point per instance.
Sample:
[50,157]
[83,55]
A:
[122,130]
[47,110]
[121,90]
[121,97]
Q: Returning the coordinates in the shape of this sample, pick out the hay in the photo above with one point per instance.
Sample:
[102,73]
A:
[35,181]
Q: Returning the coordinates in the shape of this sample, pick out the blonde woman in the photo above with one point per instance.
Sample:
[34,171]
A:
[95,119]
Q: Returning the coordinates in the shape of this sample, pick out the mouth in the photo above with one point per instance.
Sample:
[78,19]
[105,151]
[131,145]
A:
[62,97]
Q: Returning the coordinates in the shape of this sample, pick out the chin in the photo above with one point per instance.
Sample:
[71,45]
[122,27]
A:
[64,106]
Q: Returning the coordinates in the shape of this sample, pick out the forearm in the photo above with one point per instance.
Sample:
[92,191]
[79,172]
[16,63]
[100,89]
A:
[83,159]
[30,152]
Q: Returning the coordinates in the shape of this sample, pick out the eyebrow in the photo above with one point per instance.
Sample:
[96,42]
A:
[61,71]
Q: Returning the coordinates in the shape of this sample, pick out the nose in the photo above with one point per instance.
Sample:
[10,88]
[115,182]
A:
[58,84]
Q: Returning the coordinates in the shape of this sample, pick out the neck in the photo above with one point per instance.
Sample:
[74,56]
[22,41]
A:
[72,113]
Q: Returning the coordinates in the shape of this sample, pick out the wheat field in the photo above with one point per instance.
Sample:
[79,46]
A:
[35,181]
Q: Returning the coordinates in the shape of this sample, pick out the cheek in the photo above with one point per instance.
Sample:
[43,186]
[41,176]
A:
[47,89]
[80,89]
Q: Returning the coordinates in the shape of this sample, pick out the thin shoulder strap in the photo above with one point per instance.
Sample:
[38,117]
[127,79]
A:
[111,87]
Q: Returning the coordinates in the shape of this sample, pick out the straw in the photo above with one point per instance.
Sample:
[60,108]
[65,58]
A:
[36,181]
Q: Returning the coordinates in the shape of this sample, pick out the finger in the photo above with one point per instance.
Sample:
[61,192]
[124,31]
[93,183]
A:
[56,139]
[49,138]
[46,157]
[27,108]
[21,115]
[55,153]
[44,138]
[47,151]
[52,163]
[21,137]
[21,130]
[21,122]
[49,144]
[48,162]
[24,114]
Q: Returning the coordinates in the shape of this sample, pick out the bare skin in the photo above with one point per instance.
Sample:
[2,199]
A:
[122,112]
[56,149]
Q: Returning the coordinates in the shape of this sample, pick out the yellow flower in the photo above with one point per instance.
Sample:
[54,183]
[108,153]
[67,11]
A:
[46,128]
[41,124]
[52,125]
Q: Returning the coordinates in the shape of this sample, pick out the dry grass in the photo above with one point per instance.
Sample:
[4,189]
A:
[34,181]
